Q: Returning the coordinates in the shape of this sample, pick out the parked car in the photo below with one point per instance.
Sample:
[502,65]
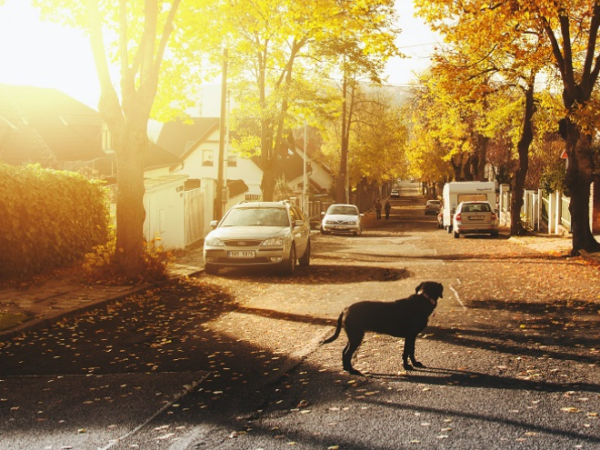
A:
[269,234]
[342,218]
[433,207]
[474,218]
[395,193]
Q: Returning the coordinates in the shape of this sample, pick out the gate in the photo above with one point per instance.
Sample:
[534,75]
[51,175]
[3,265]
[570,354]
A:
[194,215]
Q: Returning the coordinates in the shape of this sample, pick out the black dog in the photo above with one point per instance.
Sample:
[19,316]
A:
[403,318]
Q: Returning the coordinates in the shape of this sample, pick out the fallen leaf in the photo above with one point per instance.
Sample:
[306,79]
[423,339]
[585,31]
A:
[570,409]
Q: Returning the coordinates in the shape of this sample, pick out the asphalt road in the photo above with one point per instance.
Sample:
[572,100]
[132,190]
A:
[234,362]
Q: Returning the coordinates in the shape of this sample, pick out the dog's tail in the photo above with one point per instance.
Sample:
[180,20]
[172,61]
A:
[336,332]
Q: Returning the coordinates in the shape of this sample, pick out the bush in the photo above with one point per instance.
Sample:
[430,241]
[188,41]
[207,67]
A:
[48,218]
[98,265]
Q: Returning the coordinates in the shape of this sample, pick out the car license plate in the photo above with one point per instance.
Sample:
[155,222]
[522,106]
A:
[245,254]
[476,218]
[338,227]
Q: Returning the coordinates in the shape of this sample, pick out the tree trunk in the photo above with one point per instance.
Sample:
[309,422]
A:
[130,205]
[578,180]
[267,184]
[516,226]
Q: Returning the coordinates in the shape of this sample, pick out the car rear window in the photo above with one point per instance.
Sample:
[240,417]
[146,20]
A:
[476,207]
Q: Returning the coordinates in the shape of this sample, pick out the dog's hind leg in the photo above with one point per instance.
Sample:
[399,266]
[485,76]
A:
[409,353]
[354,342]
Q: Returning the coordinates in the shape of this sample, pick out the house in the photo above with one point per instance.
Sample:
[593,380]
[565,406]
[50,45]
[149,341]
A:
[197,144]
[321,175]
[47,127]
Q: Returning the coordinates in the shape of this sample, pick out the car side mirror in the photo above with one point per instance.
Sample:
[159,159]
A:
[361,215]
[322,213]
[214,223]
[298,223]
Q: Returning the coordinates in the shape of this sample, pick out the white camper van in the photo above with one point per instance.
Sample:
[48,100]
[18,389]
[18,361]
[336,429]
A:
[466,191]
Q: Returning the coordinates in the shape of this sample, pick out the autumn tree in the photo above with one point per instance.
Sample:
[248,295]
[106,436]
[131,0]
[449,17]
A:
[570,31]
[500,72]
[133,35]
[447,129]
[375,136]
[275,46]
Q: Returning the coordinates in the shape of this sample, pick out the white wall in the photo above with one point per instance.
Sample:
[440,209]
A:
[164,206]
[245,170]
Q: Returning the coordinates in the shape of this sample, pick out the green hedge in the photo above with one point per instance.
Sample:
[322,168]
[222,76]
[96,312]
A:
[48,218]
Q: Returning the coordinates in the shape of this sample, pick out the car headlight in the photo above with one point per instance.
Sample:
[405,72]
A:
[329,222]
[352,222]
[273,242]
[212,241]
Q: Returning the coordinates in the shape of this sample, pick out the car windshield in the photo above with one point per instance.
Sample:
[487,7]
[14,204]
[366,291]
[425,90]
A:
[476,207]
[343,210]
[256,217]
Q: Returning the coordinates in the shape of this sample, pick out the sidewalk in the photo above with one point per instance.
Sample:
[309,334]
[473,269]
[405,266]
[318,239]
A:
[41,305]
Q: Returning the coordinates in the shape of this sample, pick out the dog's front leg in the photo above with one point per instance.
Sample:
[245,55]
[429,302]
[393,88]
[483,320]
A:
[409,353]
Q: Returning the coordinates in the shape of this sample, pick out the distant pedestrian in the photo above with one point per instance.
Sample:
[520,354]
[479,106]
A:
[388,208]
[378,208]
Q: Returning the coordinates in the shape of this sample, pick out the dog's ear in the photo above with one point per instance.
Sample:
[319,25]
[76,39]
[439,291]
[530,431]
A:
[419,287]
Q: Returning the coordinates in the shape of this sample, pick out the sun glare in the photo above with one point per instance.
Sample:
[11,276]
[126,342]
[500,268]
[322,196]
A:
[38,53]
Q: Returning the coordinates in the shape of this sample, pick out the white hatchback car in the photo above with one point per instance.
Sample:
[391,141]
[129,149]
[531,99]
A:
[475,218]
[342,218]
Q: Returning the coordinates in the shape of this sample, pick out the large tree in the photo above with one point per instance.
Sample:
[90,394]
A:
[367,144]
[276,45]
[570,31]
[133,35]
[499,70]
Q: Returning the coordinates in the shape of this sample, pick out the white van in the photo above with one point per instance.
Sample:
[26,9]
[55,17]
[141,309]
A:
[466,191]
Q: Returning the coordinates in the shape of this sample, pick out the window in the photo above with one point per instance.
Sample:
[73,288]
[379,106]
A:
[232,160]
[107,145]
[207,158]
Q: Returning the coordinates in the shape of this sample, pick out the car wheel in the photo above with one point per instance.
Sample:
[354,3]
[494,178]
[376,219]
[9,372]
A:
[456,234]
[305,259]
[358,233]
[494,234]
[288,266]
[211,269]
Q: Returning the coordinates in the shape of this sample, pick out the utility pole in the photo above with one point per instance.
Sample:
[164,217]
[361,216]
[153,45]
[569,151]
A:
[304,177]
[218,213]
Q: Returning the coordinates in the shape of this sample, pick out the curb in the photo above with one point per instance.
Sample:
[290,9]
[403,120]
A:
[37,324]
[595,257]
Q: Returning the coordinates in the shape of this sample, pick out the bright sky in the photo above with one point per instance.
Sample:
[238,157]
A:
[43,54]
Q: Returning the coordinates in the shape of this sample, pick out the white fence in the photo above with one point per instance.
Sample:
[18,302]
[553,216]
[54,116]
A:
[540,212]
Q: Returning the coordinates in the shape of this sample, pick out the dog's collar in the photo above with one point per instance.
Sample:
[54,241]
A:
[424,294]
